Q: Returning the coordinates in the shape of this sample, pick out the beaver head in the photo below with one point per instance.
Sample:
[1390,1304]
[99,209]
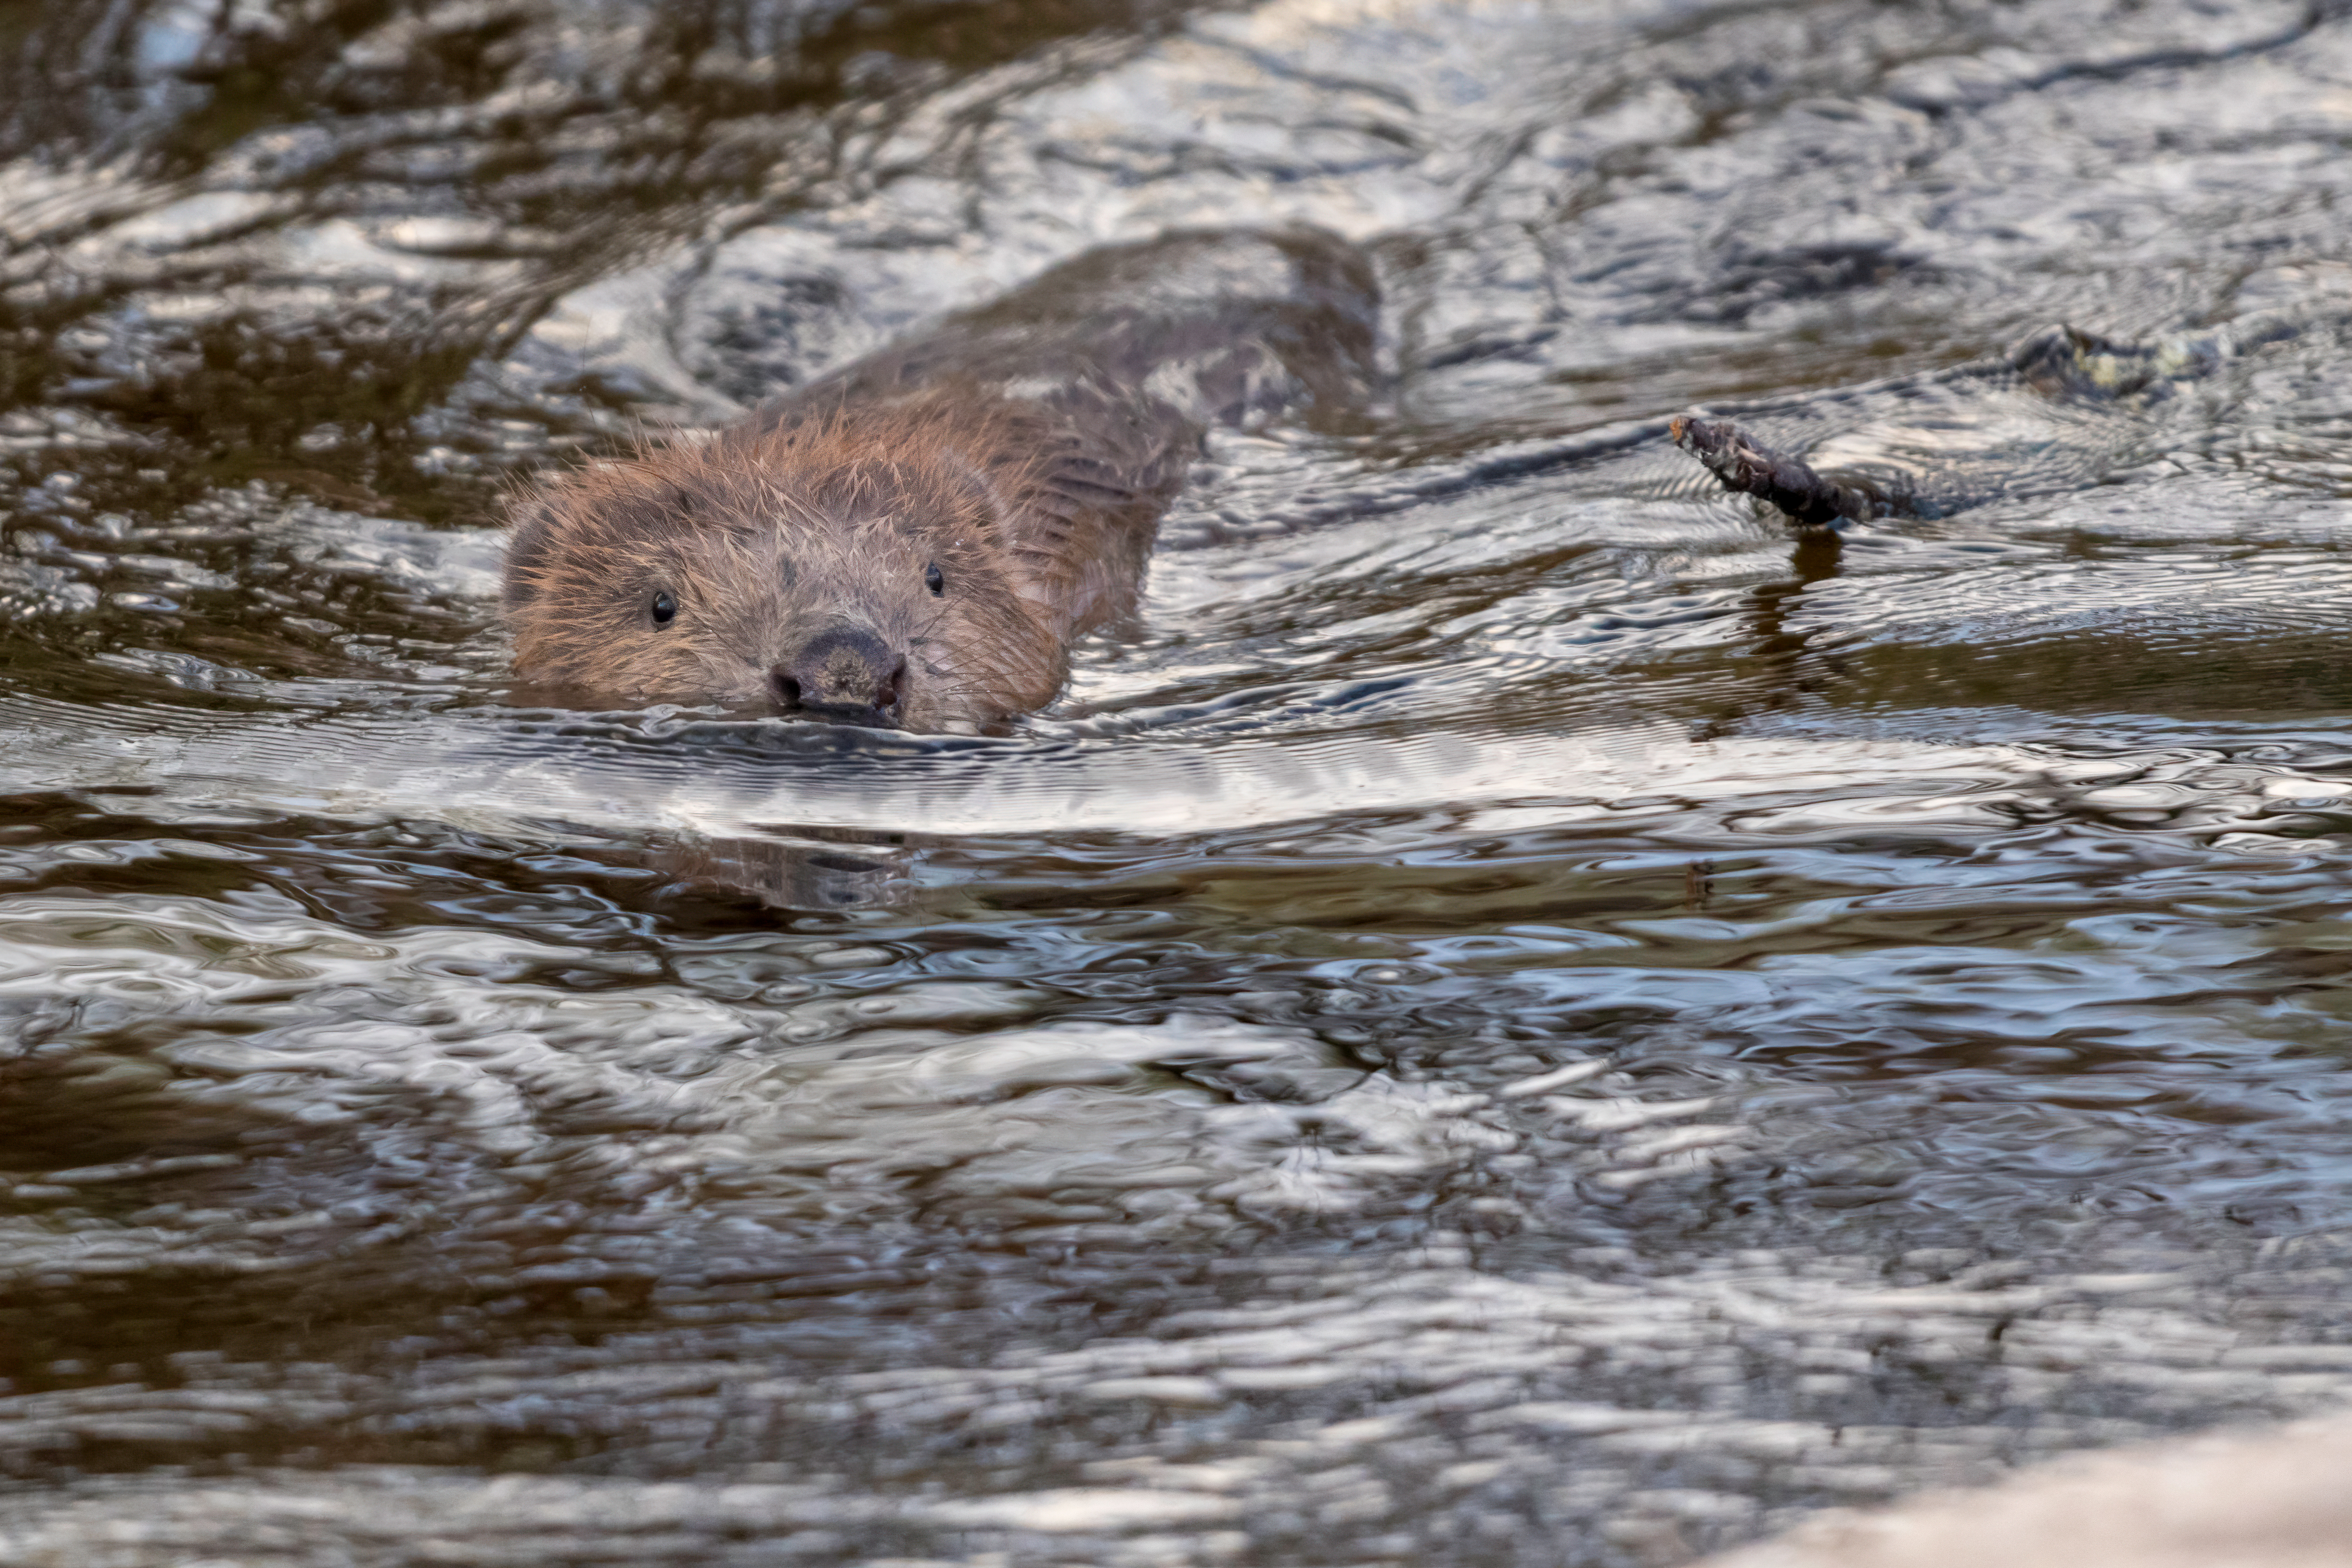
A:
[850,566]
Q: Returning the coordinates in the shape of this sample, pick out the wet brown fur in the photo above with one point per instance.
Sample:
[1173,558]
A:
[776,529]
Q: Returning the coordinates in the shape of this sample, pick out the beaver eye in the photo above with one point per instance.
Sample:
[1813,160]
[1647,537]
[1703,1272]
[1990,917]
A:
[935,579]
[665,607]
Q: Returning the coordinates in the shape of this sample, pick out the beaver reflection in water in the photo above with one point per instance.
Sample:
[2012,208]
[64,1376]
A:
[914,541]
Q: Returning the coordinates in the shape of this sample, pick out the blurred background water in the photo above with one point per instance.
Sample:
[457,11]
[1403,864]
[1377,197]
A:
[1517,1019]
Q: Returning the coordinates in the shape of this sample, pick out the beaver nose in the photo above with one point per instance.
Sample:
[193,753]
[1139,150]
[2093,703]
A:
[847,674]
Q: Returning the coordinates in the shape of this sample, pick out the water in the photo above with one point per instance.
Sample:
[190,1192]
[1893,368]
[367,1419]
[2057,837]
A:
[1517,1018]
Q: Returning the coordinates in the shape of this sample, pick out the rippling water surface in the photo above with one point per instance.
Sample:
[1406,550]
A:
[1518,1017]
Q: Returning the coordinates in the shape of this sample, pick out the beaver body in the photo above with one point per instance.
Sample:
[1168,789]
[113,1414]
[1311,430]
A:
[915,540]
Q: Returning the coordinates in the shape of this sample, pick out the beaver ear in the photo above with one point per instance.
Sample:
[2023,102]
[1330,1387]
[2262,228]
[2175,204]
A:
[974,481]
[529,545]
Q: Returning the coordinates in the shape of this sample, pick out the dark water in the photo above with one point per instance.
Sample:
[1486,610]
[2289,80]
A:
[1519,1019]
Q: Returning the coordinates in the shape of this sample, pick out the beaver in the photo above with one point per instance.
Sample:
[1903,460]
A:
[915,540]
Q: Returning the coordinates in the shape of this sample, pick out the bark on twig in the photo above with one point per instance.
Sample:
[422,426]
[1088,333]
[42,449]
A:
[1787,482]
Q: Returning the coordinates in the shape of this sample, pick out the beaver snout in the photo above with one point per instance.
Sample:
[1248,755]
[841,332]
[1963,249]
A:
[847,675]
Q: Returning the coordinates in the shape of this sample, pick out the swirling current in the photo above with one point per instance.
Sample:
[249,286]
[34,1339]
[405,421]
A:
[1518,1016]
